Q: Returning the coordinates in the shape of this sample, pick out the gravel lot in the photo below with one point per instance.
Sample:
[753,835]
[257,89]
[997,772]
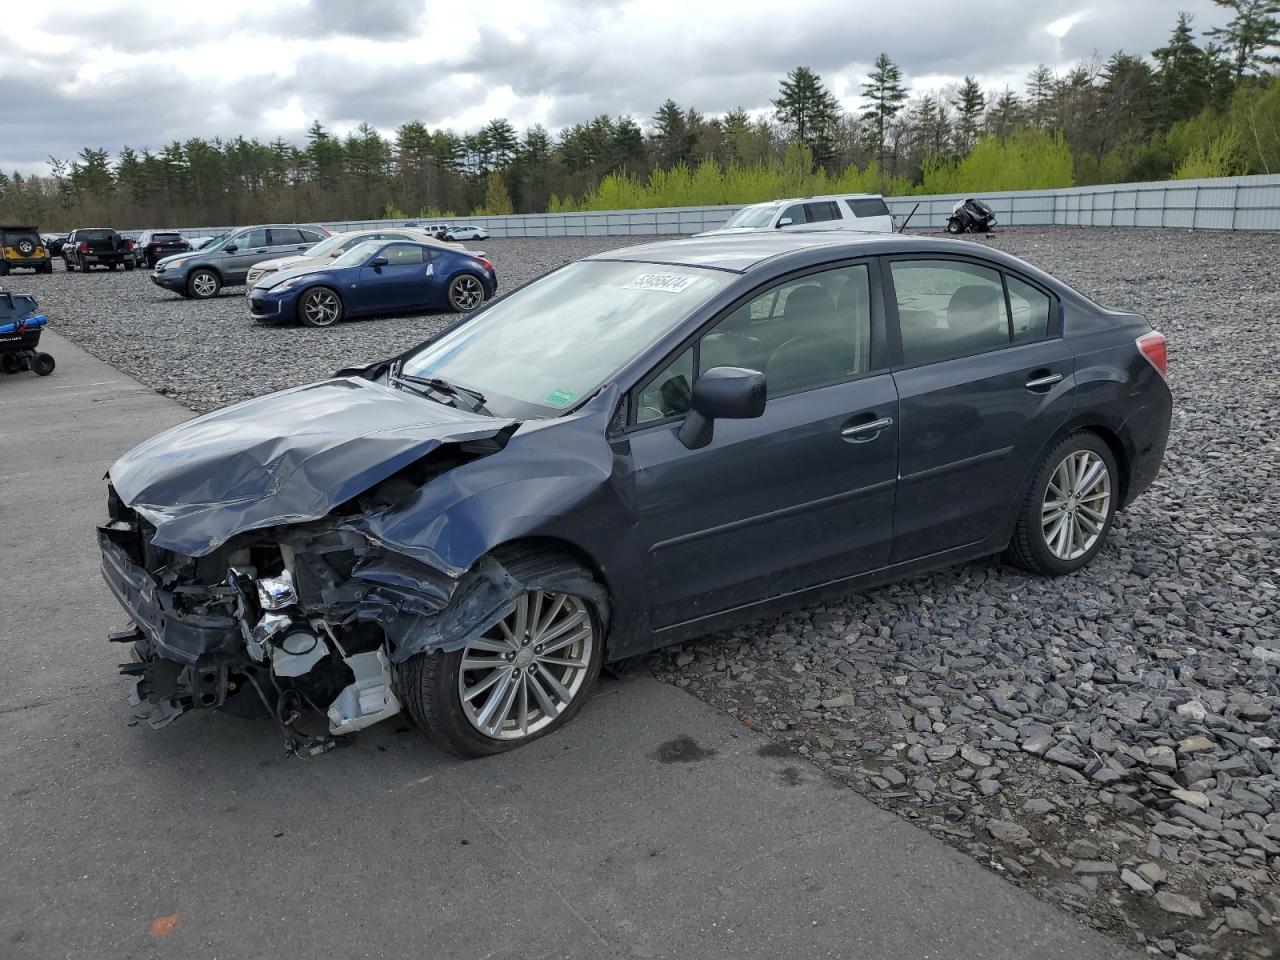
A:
[1108,740]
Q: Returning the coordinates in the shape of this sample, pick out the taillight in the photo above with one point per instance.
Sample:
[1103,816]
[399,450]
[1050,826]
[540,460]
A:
[131,244]
[1154,347]
[485,263]
[83,247]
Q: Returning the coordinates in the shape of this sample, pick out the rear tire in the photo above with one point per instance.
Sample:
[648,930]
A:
[43,364]
[47,267]
[1068,510]
[953,226]
[466,292]
[129,265]
[203,284]
[71,267]
[527,680]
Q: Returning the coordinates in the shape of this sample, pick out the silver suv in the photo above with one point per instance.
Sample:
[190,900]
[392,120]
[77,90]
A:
[225,260]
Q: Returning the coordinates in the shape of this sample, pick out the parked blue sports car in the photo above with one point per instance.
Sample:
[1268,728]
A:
[376,277]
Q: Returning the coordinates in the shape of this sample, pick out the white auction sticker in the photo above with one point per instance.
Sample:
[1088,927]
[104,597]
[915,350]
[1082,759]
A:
[666,282]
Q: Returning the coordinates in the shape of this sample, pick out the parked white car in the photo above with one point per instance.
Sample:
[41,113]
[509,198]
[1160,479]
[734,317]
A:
[857,211]
[336,246]
[466,232]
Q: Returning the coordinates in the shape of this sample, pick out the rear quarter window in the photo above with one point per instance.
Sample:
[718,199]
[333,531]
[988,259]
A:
[1030,308]
[867,207]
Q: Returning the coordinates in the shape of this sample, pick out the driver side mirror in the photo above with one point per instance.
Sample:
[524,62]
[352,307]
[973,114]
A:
[728,393]
[784,222]
[230,248]
[379,262]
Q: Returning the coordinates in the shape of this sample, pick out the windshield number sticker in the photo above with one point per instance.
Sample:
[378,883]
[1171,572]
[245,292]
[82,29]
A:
[665,282]
[560,398]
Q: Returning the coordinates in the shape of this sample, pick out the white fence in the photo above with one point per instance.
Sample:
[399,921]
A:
[1225,203]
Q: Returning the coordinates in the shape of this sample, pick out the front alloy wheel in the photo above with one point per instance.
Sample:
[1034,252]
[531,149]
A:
[203,284]
[525,671]
[465,293]
[320,308]
[525,676]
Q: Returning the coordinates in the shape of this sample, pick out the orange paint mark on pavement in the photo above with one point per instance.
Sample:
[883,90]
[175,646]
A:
[163,926]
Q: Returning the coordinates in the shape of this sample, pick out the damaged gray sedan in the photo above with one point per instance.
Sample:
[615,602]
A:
[635,449]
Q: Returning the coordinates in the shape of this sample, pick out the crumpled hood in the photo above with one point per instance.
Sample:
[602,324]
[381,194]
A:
[287,457]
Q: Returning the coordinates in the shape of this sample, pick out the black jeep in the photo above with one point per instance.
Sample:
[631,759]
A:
[23,247]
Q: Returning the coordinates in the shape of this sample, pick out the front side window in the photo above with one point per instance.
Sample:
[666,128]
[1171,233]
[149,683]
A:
[948,309]
[802,334]
[250,240]
[552,343]
[1030,310]
[310,236]
[795,213]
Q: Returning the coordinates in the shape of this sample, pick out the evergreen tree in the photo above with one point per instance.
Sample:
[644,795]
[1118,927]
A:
[1005,114]
[884,89]
[970,102]
[806,107]
[1182,70]
[1253,30]
[1041,87]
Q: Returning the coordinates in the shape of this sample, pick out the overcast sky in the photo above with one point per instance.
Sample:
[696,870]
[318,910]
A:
[108,73]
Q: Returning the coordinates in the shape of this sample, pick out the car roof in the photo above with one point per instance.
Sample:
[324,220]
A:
[741,252]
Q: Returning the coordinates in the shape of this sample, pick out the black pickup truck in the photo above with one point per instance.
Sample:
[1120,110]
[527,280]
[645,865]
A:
[97,247]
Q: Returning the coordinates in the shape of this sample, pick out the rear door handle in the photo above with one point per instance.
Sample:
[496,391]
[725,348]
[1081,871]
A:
[862,432]
[1039,383]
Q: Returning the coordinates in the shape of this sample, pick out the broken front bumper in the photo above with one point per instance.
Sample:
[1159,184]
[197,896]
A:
[171,632]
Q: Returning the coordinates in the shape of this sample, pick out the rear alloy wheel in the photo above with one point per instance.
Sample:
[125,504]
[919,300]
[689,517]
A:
[953,226]
[320,307]
[1069,509]
[522,678]
[203,284]
[465,293]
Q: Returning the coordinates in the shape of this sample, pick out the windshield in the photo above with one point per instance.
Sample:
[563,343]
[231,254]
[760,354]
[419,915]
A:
[552,343]
[337,242]
[757,216]
[216,243]
[357,255]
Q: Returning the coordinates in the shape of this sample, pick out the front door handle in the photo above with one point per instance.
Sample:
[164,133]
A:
[862,432]
[1039,383]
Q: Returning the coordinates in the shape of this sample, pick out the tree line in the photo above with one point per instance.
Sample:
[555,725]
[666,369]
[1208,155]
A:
[1198,106]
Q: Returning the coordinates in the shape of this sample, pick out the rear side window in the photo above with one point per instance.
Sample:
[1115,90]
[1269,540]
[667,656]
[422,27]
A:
[285,236]
[1030,310]
[867,207]
[948,309]
[821,211]
[402,253]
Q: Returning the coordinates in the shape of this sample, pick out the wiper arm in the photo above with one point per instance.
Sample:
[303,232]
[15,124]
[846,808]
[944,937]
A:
[474,397]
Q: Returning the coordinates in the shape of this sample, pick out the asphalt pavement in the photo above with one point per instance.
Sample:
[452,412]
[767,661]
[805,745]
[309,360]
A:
[653,826]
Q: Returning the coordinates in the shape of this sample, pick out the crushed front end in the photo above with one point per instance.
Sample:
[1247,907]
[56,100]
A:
[276,622]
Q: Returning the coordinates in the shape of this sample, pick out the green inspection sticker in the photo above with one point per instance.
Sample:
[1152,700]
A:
[560,398]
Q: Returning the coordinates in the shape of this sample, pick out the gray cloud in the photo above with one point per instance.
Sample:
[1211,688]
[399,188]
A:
[149,74]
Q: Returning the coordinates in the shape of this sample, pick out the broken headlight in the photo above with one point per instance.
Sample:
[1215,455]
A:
[276,593]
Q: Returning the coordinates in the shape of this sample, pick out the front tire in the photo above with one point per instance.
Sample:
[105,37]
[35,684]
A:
[319,307]
[203,284]
[953,226]
[42,364]
[1068,510]
[523,678]
[466,292]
